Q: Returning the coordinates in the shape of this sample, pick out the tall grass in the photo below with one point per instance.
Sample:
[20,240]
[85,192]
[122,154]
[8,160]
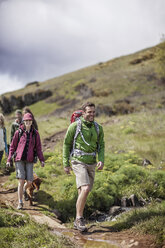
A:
[142,132]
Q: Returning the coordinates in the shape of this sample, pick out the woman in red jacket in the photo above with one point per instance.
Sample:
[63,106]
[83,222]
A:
[25,142]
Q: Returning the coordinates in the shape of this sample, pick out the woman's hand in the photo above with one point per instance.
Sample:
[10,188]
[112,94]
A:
[8,164]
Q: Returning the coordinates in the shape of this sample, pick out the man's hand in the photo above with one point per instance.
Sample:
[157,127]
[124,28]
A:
[8,164]
[42,164]
[67,169]
[100,165]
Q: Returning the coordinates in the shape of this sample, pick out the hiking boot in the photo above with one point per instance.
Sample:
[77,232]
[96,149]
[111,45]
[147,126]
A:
[26,197]
[79,224]
[20,205]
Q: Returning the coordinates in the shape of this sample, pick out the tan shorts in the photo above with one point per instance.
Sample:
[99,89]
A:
[85,173]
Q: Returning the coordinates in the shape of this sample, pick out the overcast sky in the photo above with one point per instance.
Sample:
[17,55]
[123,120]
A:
[42,39]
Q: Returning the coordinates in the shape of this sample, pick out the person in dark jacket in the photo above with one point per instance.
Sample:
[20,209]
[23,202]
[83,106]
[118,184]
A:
[15,125]
[25,141]
[3,137]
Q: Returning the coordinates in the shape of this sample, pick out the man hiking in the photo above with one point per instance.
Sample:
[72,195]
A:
[84,138]
[15,125]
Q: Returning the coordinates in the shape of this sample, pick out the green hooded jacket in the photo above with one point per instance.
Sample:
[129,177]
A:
[14,127]
[91,137]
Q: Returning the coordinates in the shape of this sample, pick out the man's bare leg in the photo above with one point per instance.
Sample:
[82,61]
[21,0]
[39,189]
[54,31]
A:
[82,196]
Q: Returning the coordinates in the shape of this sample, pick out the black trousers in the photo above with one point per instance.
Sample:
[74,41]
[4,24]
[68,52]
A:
[1,155]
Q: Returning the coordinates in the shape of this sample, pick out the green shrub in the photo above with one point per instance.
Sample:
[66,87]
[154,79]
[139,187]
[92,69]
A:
[114,161]
[128,130]
[3,163]
[132,174]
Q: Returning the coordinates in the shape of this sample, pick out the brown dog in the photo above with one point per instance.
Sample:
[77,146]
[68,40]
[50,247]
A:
[35,185]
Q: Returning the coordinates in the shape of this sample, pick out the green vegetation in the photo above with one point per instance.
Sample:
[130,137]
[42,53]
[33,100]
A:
[42,108]
[141,132]
[47,127]
[3,166]
[149,221]
[17,230]
[123,175]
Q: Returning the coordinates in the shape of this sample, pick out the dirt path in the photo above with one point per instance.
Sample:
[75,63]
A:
[50,142]
[101,236]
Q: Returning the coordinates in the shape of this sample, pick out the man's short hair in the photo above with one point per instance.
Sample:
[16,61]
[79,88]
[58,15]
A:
[87,104]
[18,111]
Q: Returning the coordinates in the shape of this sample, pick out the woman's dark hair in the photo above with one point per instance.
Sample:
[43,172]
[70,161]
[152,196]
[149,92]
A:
[87,104]
[27,110]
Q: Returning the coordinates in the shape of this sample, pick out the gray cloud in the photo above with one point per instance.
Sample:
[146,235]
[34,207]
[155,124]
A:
[43,39]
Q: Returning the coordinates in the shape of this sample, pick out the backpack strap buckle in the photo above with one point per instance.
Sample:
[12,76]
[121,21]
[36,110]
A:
[78,153]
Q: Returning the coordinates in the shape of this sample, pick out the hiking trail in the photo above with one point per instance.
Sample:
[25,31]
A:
[97,236]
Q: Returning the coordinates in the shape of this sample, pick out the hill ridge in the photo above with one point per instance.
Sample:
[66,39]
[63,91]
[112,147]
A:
[118,86]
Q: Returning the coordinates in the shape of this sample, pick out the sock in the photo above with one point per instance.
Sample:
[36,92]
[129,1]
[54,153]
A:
[79,217]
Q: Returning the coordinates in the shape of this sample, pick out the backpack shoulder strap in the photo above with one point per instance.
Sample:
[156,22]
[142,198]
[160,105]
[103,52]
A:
[34,134]
[97,128]
[20,132]
[98,132]
[78,128]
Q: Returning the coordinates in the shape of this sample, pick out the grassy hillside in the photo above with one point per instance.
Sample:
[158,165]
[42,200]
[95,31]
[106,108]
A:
[124,84]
